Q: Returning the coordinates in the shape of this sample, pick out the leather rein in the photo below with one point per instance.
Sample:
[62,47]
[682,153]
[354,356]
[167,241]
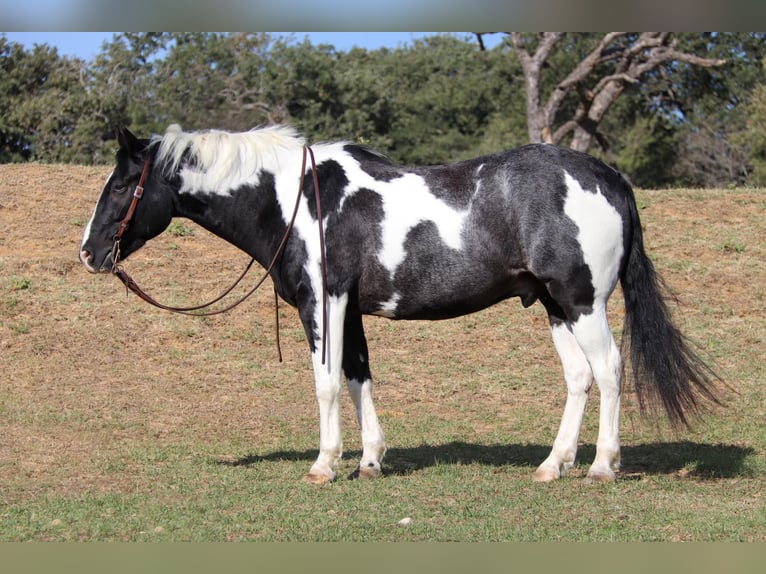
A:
[199,310]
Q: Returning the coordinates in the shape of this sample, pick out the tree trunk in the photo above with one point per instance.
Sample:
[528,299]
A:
[631,60]
[587,127]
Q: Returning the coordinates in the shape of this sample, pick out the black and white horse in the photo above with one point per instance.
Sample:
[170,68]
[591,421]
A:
[540,222]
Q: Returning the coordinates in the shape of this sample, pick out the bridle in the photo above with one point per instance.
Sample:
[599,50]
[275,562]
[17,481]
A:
[198,310]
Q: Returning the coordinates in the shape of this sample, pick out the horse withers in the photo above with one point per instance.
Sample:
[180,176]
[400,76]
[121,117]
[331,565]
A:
[540,222]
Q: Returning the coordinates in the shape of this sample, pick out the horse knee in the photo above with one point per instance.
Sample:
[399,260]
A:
[579,379]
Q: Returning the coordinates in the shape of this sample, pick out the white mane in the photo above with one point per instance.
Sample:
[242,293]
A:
[220,161]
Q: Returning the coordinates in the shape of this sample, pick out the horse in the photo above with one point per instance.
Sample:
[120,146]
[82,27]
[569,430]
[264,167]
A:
[368,236]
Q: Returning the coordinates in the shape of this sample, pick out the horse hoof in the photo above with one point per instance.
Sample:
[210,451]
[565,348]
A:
[370,472]
[366,473]
[316,478]
[543,474]
[600,476]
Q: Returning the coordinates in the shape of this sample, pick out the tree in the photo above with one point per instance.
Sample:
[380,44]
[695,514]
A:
[41,101]
[439,100]
[753,137]
[14,145]
[711,104]
[601,74]
[644,101]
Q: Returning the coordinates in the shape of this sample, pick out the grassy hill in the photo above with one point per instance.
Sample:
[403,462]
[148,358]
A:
[122,422]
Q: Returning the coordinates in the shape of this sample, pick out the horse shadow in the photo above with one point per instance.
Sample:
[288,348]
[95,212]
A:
[689,458]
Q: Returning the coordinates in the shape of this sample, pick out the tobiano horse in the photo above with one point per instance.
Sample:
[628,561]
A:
[540,222]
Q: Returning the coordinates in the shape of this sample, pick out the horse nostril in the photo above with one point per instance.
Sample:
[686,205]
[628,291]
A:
[85,258]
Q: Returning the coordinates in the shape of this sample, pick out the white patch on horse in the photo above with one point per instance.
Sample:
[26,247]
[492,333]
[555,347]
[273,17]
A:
[407,201]
[86,233]
[476,173]
[600,234]
[388,308]
[221,162]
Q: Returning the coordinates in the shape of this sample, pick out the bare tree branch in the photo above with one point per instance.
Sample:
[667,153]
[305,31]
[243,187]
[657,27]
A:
[630,61]
[532,67]
[627,78]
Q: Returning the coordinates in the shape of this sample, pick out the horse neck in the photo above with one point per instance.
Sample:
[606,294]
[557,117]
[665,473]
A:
[248,217]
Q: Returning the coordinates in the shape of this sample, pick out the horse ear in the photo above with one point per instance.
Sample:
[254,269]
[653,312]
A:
[128,141]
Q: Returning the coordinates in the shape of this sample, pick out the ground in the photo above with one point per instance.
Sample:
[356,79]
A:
[94,382]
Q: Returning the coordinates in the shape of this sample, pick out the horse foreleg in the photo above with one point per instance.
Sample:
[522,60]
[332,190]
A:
[373,440]
[356,366]
[579,378]
[328,377]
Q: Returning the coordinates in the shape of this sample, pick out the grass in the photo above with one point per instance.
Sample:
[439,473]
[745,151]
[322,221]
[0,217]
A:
[732,246]
[20,283]
[180,229]
[122,423]
[200,498]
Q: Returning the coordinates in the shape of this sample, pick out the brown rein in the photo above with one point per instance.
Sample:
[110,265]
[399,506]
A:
[130,284]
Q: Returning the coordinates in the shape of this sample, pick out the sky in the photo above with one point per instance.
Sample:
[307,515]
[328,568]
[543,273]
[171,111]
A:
[87,45]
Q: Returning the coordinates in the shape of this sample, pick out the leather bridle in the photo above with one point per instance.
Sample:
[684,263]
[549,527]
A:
[197,310]
[138,193]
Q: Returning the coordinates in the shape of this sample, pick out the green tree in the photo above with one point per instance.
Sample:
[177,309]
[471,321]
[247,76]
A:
[711,103]
[439,100]
[648,151]
[681,121]
[14,144]
[41,100]
[753,138]
[211,80]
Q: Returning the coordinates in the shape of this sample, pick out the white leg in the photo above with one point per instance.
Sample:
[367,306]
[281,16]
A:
[373,440]
[328,384]
[596,340]
[579,377]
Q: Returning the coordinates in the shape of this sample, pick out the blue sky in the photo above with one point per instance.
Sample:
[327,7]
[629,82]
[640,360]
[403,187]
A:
[87,45]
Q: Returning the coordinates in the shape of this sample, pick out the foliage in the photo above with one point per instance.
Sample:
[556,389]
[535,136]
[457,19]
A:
[440,99]
[649,151]
[41,101]
[753,137]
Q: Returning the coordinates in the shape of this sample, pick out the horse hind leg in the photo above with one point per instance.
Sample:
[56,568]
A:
[359,381]
[597,343]
[579,378]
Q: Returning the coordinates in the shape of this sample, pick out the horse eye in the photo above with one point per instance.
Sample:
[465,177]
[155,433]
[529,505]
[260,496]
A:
[119,188]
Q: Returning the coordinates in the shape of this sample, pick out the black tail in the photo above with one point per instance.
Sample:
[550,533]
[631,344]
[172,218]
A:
[665,369]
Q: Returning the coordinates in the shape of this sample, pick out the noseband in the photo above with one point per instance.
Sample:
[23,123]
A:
[197,310]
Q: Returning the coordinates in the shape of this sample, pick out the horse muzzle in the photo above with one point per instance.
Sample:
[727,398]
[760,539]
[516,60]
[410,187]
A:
[86,258]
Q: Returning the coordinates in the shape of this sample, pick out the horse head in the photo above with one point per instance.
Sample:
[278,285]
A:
[120,223]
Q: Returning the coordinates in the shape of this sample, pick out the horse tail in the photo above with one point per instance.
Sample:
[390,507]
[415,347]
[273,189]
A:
[666,371]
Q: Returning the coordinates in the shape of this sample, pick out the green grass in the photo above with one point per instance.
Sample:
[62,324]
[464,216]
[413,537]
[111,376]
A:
[180,229]
[194,497]
[20,283]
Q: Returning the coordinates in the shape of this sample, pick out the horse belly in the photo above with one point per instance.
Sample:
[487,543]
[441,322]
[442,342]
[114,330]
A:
[444,292]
